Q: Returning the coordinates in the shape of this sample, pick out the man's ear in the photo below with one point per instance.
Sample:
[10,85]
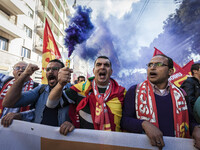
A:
[171,71]
[93,70]
[111,72]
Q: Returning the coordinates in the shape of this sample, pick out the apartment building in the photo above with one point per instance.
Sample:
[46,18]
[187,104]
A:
[56,12]
[21,30]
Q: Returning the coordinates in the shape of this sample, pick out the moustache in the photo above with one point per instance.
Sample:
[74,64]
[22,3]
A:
[51,77]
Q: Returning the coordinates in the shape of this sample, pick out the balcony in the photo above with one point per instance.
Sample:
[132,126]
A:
[13,7]
[41,13]
[39,47]
[7,26]
[57,9]
[38,43]
[40,29]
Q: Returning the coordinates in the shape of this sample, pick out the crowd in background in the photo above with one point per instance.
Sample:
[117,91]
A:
[155,107]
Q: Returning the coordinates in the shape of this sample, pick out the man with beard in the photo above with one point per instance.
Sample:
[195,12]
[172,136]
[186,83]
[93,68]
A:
[159,108]
[42,114]
[29,84]
[99,100]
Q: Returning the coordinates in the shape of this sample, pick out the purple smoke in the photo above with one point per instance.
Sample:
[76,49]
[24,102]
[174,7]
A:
[118,38]
[80,28]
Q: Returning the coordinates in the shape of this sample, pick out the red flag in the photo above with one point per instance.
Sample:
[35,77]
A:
[188,66]
[179,74]
[156,52]
[50,50]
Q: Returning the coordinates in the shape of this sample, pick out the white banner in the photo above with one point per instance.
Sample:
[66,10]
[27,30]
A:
[30,136]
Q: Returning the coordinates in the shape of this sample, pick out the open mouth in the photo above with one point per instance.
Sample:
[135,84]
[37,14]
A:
[102,74]
[19,74]
[153,74]
[51,78]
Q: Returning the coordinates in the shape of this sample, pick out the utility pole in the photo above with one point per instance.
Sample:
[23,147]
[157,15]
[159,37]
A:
[74,5]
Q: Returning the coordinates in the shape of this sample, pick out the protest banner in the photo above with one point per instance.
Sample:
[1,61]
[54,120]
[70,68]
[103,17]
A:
[23,135]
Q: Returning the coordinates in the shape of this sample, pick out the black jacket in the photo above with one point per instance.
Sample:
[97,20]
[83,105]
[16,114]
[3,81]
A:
[192,87]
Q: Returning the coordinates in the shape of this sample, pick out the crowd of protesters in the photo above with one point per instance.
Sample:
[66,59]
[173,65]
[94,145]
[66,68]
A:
[155,107]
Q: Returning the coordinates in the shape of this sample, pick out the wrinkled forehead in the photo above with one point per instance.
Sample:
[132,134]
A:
[159,59]
[54,64]
[20,64]
[102,61]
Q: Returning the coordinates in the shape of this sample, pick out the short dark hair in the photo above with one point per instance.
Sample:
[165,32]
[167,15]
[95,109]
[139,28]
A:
[81,77]
[58,61]
[195,66]
[104,57]
[170,61]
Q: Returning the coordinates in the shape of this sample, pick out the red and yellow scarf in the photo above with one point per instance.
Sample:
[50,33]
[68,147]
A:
[106,109]
[28,86]
[101,112]
[146,107]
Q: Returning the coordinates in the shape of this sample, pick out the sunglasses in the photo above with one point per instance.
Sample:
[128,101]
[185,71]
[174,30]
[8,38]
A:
[158,64]
[52,69]
[17,68]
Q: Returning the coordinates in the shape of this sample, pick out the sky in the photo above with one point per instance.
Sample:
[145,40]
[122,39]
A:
[122,28]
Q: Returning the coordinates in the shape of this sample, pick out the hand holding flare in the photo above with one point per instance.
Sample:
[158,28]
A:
[64,74]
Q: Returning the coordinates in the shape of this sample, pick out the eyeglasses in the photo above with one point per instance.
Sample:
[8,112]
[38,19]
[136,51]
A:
[17,68]
[52,68]
[158,64]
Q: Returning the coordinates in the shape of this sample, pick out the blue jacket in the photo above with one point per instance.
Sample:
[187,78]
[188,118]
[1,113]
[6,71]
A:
[39,101]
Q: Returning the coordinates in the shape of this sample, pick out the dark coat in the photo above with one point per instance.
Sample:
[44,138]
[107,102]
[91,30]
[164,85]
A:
[192,87]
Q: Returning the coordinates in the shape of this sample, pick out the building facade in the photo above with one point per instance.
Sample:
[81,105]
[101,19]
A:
[21,30]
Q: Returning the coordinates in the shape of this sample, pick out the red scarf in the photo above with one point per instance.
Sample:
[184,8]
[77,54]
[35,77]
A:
[28,86]
[100,119]
[146,107]
[101,112]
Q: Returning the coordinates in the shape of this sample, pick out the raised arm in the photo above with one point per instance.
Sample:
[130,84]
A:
[14,93]
[64,77]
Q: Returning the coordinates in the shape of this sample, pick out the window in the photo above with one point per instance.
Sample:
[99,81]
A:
[3,43]
[30,12]
[26,52]
[28,31]
[41,41]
